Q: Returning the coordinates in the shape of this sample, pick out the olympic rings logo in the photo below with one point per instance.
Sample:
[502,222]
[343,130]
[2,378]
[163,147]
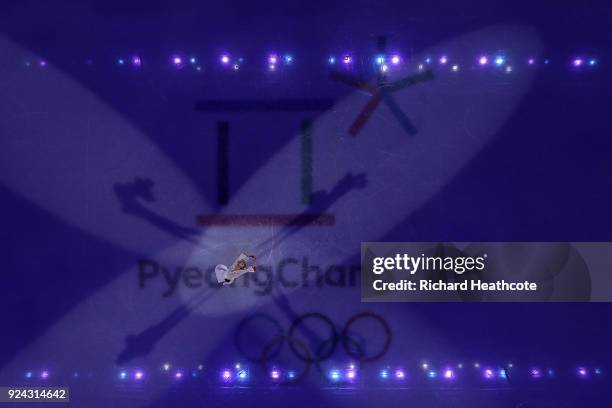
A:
[323,348]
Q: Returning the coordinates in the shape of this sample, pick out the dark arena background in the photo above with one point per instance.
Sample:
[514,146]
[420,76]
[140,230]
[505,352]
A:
[144,143]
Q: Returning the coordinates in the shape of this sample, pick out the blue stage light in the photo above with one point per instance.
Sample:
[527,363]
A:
[500,60]
[122,375]
[384,374]
[243,375]
[334,375]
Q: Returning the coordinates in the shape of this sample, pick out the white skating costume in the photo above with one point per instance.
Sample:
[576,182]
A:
[244,264]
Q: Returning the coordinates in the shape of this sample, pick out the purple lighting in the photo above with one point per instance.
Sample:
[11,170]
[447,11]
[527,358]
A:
[531,61]
[226,375]
[535,373]
[42,63]
[400,374]
[347,59]
[488,374]
[395,59]
[443,59]
[577,62]
[178,375]
[272,59]
[449,374]
[582,372]
[177,61]
[225,59]
[136,61]
[138,375]
[275,374]
[483,60]
[44,374]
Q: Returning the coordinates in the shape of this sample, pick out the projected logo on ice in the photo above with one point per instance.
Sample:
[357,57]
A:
[313,200]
